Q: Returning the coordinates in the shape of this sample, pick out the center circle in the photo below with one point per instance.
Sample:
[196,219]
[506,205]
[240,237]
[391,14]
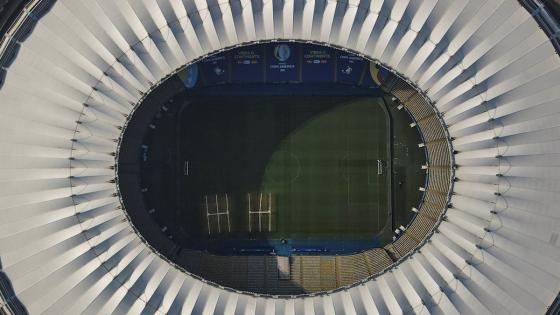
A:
[280,168]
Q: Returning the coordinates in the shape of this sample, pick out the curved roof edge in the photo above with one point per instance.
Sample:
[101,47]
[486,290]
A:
[547,15]
[554,309]
[9,302]
[17,21]
[9,9]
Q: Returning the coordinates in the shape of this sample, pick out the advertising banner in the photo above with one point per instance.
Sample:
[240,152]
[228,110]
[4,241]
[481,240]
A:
[349,68]
[317,64]
[247,64]
[214,69]
[282,62]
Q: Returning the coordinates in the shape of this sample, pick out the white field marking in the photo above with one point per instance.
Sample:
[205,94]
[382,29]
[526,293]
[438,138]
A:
[377,183]
[227,214]
[298,163]
[186,168]
[260,211]
[348,181]
[379,167]
[218,213]
[207,213]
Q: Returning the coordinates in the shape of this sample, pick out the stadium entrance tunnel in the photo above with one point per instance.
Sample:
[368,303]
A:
[284,168]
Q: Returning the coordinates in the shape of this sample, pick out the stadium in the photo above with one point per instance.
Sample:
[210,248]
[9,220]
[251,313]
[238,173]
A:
[279,157]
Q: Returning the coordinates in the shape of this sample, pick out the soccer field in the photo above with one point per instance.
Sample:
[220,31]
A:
[273,167]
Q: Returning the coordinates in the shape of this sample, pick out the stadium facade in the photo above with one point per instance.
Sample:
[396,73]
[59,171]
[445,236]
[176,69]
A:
[480,78]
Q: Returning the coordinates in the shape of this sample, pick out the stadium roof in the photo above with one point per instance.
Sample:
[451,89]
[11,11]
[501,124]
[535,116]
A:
[72,70]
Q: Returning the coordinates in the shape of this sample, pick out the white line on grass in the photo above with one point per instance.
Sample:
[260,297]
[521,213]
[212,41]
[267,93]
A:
[218,214]
[227,212]
[249,196]
[260,211]
[207,213]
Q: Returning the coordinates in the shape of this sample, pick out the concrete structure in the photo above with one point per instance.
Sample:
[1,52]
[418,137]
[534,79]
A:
[73,70]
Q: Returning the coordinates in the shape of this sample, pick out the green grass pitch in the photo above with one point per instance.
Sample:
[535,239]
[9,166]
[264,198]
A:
[324,177]
[319,158]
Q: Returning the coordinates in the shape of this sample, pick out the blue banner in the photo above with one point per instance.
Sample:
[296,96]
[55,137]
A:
[247,64]
[282,62]
[214,69]
[317,64]
[350,68]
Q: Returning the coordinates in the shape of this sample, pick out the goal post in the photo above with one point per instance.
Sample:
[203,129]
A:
[257,209]
[219,208]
